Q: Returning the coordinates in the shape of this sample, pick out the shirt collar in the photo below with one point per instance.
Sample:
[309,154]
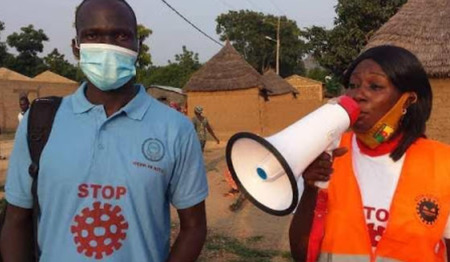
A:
[135,109]
[79,100]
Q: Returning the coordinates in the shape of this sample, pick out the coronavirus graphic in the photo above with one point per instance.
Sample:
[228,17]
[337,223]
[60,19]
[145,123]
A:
[99,231]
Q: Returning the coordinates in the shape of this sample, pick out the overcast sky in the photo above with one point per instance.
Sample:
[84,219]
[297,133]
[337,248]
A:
[170,32]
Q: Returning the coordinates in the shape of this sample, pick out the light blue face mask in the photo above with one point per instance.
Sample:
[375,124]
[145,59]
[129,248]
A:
[108,67]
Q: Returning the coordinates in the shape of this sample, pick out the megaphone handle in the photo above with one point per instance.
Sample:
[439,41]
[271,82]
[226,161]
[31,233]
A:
[329,150]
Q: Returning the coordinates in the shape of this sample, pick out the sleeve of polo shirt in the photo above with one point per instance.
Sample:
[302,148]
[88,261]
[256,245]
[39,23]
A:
[18,181]
[188,185]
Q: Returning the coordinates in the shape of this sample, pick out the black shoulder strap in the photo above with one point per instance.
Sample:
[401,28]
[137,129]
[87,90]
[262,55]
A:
[40,121]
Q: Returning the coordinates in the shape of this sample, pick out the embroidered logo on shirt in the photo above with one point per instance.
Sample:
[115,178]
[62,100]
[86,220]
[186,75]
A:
[99,231]
[153,149]
[427,209]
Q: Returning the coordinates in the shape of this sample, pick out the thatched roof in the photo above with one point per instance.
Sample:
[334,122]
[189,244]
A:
[275,85]
[6,74]
[50,77]
[423,27]
[227,70]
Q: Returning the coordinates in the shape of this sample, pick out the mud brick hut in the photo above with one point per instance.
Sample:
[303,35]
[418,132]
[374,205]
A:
[308,89]
[281,105]
[423,27]
[236,98]
[167,94]
[228,89]
[51,84]
[13,85]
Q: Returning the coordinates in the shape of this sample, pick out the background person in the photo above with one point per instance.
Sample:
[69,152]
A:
[24,104]
[202,126]
[115,161]
[388,195]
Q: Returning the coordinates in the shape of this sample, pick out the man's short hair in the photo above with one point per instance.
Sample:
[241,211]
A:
[122,1]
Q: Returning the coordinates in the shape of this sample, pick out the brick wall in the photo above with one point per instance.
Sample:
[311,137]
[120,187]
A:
[281,111]
[228,112]
[11,90]
[438,126]
[308,89]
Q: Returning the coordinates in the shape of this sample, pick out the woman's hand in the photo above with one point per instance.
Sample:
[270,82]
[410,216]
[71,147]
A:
[321,168]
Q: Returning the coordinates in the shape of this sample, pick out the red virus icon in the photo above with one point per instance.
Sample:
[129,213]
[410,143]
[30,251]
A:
[99,231]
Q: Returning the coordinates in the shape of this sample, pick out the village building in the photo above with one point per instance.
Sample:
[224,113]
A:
[422,27]
[13,85]
[308,89]
[167,94]
[236,98]
[228,89]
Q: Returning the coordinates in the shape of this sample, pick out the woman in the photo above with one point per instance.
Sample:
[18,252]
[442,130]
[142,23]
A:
[389,195]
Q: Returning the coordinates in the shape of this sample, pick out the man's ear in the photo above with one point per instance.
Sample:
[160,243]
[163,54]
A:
[75,49]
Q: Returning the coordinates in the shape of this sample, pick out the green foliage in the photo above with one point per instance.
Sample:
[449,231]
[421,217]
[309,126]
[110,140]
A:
[318,74]
[247,31]
[176,73]
[144,58]
[5,57]
[28,43]
[56,63]
[333,86]
[356,22]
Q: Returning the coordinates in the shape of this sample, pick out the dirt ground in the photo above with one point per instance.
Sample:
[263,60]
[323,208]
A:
[247,223]
[227,230]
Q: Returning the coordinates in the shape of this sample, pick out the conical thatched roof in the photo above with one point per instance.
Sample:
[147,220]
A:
[227,70]
[50,77]
[275,85]
[423,27]
[6,74]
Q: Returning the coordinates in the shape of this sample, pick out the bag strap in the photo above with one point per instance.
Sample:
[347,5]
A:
[40,121]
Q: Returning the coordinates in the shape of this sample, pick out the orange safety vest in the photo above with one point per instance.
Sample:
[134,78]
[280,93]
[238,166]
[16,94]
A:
[418,212]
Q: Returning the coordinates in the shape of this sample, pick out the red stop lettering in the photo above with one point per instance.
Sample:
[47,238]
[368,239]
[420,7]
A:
[101,191]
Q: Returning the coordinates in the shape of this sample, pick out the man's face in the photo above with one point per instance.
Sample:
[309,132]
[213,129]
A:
[24,104]
[107,22]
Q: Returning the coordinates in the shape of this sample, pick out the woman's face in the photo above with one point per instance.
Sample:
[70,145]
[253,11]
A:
[373,91]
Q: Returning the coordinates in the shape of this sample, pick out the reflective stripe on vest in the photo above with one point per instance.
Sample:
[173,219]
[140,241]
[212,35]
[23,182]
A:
[417,216]
[327,257]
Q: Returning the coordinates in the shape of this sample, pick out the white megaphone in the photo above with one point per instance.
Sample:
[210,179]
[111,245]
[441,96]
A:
[269,170]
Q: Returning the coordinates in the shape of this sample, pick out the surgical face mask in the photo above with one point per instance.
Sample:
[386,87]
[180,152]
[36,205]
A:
[384,128]
[108,67]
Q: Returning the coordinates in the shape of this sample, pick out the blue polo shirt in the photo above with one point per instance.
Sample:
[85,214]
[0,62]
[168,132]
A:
[106,184]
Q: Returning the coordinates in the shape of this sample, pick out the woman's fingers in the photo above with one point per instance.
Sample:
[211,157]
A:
[340,151]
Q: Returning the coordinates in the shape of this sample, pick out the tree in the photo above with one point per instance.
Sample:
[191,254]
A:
[356,22]
[176,73]
[56,63]
[5,57]
[247,31]
[28,44]
[144,60]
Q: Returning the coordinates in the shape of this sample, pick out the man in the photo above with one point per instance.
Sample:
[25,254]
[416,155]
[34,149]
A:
[24,104]
[115,160]
[202,125]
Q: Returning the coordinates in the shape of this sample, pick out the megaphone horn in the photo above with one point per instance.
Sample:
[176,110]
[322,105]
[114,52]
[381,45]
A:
[269,169]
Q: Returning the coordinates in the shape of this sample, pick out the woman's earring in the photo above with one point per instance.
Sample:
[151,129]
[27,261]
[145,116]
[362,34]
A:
[404,111]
